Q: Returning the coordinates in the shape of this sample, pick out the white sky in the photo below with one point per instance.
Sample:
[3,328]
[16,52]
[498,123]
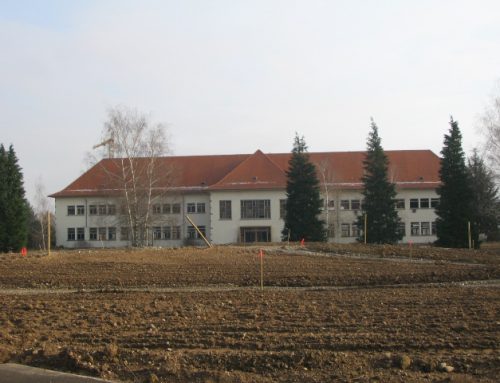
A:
[235,76]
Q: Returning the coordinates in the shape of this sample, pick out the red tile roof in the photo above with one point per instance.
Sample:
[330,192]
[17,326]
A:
[409,169]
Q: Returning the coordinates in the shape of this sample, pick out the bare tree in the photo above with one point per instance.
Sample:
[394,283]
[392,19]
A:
[489,125]
[135,147]
[41,209]
[326,178]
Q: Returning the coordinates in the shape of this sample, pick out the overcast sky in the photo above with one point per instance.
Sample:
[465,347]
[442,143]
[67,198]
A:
[237,76]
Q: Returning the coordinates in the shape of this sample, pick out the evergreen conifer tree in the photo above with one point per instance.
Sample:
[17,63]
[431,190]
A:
[455,205]
[13,205]
[303,204]
[484,197]
[379,193]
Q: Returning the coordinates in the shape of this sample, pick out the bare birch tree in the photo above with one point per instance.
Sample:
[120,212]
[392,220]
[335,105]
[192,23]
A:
[41,209]
[135,146]
[489,125]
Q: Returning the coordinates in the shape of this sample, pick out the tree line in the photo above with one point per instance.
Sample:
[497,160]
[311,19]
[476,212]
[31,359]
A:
[468,204]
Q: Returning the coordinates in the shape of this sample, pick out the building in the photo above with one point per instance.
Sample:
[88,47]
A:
[241,198]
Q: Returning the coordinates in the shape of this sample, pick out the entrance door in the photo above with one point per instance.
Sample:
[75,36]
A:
[255,234]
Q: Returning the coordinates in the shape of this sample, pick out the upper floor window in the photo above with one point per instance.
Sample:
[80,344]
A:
[225,210]
[93,209]
[256,209]
[176,208]
[71,210]
[344,204]
[191,207]
[167,208]
[355,204]
[157,208]
[331,204]
[400,203]
[434,202]
[102,209]
[200,207]
[414,203]
[424,203]
[80,210]
[282,208]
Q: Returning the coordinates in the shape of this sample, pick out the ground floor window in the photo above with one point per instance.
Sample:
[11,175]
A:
[71,234]
[80,234]
[192,233]
[255,234]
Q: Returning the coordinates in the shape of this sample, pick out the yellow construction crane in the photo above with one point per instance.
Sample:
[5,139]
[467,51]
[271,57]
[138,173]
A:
[109,142]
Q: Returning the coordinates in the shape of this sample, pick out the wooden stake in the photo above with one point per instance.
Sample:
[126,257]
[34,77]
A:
[199,232]
[365,227]
[469,234]
[261,254]
[48,231]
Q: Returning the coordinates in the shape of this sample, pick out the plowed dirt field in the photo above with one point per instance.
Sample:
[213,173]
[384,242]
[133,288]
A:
[326,313]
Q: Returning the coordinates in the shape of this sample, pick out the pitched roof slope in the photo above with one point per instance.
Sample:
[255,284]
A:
[415,169]
[257,171]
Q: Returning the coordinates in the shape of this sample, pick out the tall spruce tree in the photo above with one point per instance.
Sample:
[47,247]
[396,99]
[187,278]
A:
[484,197]
[379,193]
[303,204]
[13,205]
[455,205]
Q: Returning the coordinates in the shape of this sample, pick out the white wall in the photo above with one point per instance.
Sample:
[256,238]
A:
[227,231]
[221,231]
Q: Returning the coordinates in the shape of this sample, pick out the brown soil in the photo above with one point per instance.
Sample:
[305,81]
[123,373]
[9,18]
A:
[199,315]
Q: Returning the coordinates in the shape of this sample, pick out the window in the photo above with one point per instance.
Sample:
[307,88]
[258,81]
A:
[414,203]
[111,209]
[80,210]
[92,209]
[255,234]
[331,231]
[434,202]
[425,228]
[191,207]
[355,232]
[256,209]
[167,208]
[355,204]
[225,209]
[344,204]
[331,204]
[345,230]
[102,209]
[415,228]
[200,207]
[166,232]
[157,232]
[400,204]
[433,228]
[111,233]
[124,233]
[191,232]
[80,234]
[71,233]
[176,208]
[102,233]
[402,229]
[282,208]
[157,209]
[71,210]
[93,233]
[176,232]
[424,203]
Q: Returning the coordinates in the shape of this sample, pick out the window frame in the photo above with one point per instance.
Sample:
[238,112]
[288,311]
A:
[225,210]
[255,209]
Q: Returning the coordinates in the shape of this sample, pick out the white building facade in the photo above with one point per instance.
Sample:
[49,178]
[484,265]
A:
[244,200]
